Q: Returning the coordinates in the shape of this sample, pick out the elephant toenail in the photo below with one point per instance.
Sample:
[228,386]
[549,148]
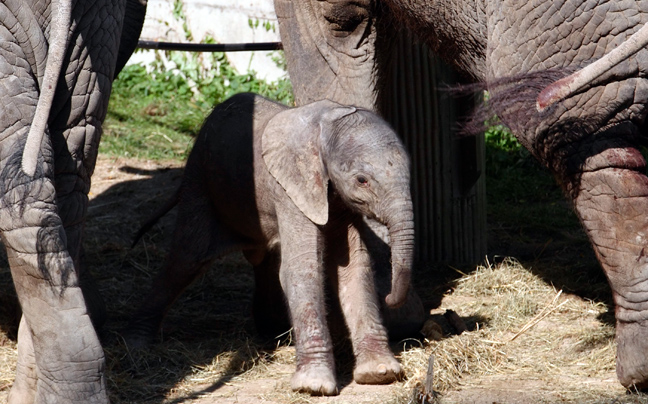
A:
[382,369]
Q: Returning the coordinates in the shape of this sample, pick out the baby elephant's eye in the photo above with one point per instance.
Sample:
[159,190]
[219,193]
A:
[362,181]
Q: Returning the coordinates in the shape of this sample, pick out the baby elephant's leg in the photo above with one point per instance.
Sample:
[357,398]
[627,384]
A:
[302,279]
[269,308]
[375,362]
[191,253]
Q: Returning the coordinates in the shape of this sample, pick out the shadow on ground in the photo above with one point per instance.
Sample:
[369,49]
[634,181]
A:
[212,324]
[530,219]
[212,318]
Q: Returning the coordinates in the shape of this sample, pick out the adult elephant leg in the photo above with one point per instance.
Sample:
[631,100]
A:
[24,386]
[133,22]
[337,40]
[68,362]
[611,199]
[77,114]
[68,357]
[72,185]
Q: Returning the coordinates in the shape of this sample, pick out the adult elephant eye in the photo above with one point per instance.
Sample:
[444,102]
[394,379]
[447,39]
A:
[345,17]
[362,181]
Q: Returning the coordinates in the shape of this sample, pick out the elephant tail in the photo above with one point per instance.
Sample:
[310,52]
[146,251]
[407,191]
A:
[163,210]
[59,36]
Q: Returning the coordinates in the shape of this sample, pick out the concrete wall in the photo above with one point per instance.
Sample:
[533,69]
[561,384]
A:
[227,21]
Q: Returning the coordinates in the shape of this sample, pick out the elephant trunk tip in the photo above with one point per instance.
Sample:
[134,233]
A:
[398,294]
[401,233]
[394,302]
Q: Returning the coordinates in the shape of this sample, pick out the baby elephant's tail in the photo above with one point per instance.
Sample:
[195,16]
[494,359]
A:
[163,210]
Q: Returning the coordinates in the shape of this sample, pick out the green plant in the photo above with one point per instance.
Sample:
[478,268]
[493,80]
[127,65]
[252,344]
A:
[179,14]
[266,25]
[172,97]
[156,110]
[503,151]
[519,189]
[498,136]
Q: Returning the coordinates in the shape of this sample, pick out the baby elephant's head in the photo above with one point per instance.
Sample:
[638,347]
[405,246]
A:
[355,150]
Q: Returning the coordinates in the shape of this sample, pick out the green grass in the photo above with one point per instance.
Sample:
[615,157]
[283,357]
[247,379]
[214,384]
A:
[519,190]
[155,112]
[148,125]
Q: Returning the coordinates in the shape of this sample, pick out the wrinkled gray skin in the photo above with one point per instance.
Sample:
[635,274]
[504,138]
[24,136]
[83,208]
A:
[336,49]
[290,187]
[577,81]
[59,58]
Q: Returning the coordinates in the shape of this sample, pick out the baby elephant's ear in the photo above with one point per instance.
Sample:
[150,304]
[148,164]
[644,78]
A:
[291,151]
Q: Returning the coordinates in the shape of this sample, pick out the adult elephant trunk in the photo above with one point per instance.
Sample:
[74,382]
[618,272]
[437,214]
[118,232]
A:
[400,222]
[61,17]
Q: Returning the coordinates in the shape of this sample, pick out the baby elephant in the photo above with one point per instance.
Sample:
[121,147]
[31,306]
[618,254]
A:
[290,188]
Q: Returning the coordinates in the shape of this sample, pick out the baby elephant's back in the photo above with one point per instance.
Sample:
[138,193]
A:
[225,154]
[228,132]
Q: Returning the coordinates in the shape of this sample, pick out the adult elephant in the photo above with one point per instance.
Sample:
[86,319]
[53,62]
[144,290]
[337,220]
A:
[57,62]
[589,140]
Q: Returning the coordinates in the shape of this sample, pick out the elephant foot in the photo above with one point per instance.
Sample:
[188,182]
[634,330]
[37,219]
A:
[632,355]
[377,369]
[314,379]
[23,390]
[20,396]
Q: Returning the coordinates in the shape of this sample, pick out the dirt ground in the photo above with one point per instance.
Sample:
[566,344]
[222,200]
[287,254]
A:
[209,353]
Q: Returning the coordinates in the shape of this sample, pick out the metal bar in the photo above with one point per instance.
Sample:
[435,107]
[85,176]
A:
[210,47]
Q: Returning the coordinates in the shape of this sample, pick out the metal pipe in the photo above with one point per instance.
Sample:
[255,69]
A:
[210,47]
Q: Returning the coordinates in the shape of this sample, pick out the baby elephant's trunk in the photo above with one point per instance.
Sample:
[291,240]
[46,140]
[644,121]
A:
[400,223]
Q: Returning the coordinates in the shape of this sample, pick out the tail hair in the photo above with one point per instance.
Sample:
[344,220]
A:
[512,100]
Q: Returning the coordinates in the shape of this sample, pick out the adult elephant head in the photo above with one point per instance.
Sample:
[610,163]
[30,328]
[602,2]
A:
[588,140]
[57,62]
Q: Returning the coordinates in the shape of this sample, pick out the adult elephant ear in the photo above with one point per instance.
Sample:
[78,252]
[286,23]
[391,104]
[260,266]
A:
[292,151]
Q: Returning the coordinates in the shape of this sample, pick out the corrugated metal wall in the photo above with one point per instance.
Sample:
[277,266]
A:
[447,170]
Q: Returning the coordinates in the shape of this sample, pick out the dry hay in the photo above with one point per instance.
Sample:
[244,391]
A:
[522,329]
[525,339]
[8,357]
[527,331]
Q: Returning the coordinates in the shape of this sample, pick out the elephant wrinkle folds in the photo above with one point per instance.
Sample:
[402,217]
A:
[292,183]
[57,61]
[568,77]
